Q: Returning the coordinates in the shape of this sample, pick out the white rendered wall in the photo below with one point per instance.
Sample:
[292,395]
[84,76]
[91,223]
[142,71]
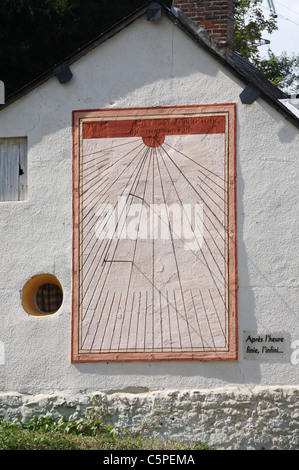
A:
[147,64]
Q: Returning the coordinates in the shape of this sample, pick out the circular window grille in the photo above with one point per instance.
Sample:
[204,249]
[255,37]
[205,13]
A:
[48,298]
[42,295]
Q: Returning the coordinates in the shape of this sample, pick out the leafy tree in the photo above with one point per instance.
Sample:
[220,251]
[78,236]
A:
[250,25]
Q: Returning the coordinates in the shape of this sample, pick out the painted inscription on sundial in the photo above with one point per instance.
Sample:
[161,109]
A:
[154,234]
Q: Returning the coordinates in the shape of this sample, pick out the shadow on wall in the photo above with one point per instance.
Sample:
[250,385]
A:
[246,301]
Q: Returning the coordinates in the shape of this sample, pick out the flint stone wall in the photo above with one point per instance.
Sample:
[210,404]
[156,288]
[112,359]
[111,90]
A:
[243,419]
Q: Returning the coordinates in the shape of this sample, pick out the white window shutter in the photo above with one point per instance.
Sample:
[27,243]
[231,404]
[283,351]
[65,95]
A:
[13,169]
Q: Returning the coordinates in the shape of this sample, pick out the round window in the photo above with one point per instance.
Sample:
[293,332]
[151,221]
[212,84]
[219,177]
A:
[42,295]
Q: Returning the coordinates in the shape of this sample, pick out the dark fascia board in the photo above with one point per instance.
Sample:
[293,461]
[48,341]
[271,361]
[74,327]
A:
[182,23]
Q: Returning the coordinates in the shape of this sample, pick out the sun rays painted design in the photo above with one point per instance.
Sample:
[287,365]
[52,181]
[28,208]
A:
[154,275]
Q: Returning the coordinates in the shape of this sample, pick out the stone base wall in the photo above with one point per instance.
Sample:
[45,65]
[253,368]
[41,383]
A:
[237,419]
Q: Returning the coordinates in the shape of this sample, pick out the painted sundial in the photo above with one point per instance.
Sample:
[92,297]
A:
[154,271]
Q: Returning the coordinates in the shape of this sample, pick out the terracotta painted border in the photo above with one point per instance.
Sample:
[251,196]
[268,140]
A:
[92,123]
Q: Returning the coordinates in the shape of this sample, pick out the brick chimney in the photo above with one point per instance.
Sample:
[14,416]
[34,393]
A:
[216,17]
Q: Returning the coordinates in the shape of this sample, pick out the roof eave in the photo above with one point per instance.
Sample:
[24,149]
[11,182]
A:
[186,26]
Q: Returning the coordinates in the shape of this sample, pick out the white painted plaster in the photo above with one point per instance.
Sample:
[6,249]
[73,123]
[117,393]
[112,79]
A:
[145,65]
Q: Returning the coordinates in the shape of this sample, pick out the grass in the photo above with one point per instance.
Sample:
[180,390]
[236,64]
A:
[44,433]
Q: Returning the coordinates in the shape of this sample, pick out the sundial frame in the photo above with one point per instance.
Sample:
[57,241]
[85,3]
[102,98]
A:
[142,290]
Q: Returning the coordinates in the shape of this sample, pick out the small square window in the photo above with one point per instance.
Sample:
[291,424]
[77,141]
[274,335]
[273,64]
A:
[13,169]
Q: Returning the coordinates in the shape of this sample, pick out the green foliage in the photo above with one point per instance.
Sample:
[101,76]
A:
[79,427]
[37,34]
[44,433]
[250,25]
[16,436]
